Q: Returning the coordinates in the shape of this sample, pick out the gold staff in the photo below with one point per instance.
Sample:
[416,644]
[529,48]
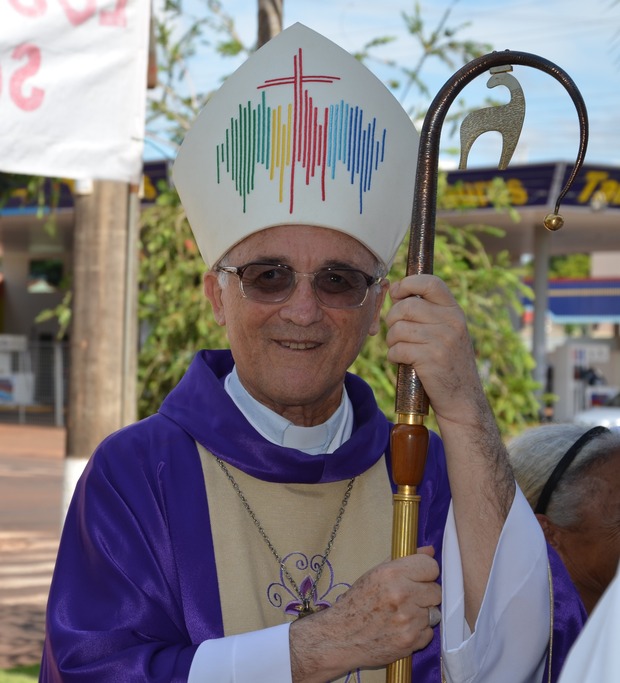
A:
[409,438]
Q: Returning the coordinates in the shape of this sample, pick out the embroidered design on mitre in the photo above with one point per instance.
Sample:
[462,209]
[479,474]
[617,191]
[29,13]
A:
[300,139]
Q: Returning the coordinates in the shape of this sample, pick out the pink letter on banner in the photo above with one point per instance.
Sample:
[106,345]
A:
[115,17]
[34,100]
[37,8]
[77,17]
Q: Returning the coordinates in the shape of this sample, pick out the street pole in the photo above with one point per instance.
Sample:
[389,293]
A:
[102,381]
[104,331]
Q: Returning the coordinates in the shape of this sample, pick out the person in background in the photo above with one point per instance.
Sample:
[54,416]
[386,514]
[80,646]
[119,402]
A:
[261,491]
[570,475]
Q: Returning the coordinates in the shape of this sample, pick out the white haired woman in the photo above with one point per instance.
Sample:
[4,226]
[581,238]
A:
[570,475]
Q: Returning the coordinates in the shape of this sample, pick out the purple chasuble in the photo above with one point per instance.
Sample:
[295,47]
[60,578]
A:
[135,587]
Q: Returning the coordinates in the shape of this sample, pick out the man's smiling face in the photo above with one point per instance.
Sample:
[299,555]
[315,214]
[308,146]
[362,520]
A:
[292,356]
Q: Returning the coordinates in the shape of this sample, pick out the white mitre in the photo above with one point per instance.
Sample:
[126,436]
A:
[301,134]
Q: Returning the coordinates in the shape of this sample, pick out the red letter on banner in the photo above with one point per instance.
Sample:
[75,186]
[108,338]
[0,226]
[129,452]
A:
[34,100]
[77,17]
[115,17]
[36,10]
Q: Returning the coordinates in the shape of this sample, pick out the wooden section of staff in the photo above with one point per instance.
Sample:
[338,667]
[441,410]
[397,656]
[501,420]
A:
[409,444]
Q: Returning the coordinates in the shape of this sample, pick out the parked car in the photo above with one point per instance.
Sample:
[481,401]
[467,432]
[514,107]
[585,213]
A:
[607,415]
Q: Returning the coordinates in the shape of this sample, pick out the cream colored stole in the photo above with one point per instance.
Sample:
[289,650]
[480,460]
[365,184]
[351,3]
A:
[298,519]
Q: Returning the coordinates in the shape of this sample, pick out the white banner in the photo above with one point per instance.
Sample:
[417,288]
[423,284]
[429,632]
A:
[73,87]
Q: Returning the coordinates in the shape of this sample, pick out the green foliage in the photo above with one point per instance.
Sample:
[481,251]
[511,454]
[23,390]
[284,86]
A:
[570,266]
[175,317]
[43,192]
[490,292]
[20,674]
[26,187]
[61,313]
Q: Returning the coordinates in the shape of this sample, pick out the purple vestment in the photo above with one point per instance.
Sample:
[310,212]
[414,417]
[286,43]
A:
[135,588]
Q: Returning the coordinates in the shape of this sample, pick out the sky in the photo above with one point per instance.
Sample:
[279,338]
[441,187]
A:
[582,38]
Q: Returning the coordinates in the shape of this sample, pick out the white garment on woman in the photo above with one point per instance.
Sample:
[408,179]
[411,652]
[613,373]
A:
[595,656]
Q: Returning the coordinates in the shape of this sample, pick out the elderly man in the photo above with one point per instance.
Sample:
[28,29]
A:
[261,492]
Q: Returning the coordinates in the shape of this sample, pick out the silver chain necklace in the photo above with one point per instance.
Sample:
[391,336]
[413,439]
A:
[305,608]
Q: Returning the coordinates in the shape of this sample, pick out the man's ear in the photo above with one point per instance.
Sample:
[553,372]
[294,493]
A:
[213,292]
[375,326]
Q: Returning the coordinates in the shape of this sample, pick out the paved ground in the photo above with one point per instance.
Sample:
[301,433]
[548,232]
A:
[31,476]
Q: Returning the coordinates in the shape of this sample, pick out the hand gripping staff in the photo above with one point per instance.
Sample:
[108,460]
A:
[409,437]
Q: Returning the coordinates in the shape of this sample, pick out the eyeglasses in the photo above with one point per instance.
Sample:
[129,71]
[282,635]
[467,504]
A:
[273,283]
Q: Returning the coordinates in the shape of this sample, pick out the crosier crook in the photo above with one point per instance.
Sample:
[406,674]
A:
[409,436]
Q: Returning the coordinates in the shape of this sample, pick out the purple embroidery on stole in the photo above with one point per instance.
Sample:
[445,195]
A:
[303,571]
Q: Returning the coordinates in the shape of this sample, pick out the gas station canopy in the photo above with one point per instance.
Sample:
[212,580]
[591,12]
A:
[591,208]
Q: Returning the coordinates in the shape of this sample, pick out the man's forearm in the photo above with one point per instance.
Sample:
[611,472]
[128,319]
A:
[483,488]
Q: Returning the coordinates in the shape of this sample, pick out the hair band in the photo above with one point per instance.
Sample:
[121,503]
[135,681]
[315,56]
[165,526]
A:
[563,465]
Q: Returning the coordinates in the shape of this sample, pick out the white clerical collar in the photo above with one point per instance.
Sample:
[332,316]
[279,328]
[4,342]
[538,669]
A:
[323,438]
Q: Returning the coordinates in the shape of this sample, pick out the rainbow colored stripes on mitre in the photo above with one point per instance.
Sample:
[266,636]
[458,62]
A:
[299,139]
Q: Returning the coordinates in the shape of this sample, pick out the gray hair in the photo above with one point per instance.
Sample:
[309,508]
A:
[535,453]
[222,280]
